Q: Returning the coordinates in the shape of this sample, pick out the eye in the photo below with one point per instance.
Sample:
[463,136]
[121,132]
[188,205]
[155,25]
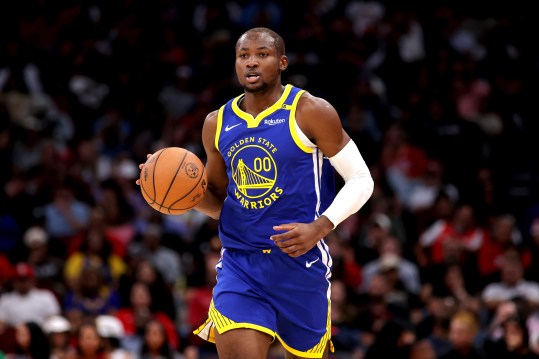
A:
[263,54]
[242,56]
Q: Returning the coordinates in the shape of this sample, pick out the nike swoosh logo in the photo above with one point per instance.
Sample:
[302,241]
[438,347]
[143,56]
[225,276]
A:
[228,128]
[309,264]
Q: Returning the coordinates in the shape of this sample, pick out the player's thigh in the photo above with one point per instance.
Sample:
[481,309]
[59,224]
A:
[242,343]
[289,355]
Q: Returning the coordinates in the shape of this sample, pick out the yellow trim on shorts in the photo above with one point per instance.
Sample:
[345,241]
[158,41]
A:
[223,324]
[209,335]
[318,350]
[219,126]
[292,124]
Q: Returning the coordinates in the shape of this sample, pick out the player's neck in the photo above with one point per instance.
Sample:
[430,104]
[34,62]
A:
[256,102]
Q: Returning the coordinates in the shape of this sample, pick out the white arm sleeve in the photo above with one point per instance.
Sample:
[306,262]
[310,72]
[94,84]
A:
[358,184]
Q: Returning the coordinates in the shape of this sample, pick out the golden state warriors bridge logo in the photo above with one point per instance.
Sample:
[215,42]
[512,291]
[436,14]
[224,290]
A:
[254,172]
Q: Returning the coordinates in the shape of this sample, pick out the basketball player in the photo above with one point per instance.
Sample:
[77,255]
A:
[271,153]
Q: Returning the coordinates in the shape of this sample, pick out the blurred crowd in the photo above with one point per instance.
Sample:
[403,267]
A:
[442,262]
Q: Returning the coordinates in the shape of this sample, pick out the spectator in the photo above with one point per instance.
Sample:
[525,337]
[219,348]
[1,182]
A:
[155,344]
[434,325]
[378,227]
[454,240]
[164,259]
[65,217]
[58,330]
[162,295]
[345,337]
[390,255]
[511,285]
[135,317]
[345,266]
[404,162]
[424,194]
[88,343]
[454,288]
[29,147]
[90,297]
[31,342]
[375,310]
[197,298]
[118,215]
[504,236]
[514,342]
[463,329]
[47,269]
[424,197]
[26,303]
[111,331]
[504,311]
[95,251]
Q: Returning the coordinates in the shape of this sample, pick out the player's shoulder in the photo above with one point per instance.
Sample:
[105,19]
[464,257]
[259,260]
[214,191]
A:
[311,106]
[212,116]
[309,102]
[211,119]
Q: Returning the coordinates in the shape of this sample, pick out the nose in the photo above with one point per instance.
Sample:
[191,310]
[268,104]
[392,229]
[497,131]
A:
[252,62]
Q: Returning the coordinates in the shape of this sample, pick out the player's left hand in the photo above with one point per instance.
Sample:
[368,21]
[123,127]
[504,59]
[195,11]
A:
[300,238]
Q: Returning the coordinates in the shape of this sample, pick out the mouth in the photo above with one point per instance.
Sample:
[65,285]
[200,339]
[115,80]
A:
[252,77]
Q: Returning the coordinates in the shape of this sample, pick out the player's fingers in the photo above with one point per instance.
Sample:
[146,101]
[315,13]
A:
[137,182]
[289,243]
[289,249]
[284,236]
[285,227]
[142,164]
[296,253]
[280,237]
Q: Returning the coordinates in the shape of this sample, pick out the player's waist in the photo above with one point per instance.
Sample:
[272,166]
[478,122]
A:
[247,243]
[254,250]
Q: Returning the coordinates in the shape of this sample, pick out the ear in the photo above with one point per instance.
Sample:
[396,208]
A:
[283,63]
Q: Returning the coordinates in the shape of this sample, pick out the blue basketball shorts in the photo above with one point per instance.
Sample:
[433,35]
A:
[269,291]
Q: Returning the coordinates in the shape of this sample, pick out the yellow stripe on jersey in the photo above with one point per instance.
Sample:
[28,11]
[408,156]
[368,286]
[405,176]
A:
[292,124]
[318,350]
[255,121]
[219,126]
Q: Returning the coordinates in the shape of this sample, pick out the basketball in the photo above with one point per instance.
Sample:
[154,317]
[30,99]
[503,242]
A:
[173,180]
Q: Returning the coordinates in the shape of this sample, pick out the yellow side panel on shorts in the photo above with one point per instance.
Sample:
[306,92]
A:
[218,321]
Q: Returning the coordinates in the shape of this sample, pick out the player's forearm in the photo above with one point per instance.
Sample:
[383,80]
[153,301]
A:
[210,205]
[358,184]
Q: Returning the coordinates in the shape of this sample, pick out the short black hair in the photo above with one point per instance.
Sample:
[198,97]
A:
[277,39]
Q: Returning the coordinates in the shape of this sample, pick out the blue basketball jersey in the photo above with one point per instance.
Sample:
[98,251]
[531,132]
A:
[274,178]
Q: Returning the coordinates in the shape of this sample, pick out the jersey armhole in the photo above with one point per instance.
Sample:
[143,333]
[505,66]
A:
[219,127]
[297,134]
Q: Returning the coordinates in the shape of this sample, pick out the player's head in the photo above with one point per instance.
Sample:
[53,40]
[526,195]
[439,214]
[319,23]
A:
[260,59]
[278,41]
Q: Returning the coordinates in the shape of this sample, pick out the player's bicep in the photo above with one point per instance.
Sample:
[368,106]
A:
[321,123]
